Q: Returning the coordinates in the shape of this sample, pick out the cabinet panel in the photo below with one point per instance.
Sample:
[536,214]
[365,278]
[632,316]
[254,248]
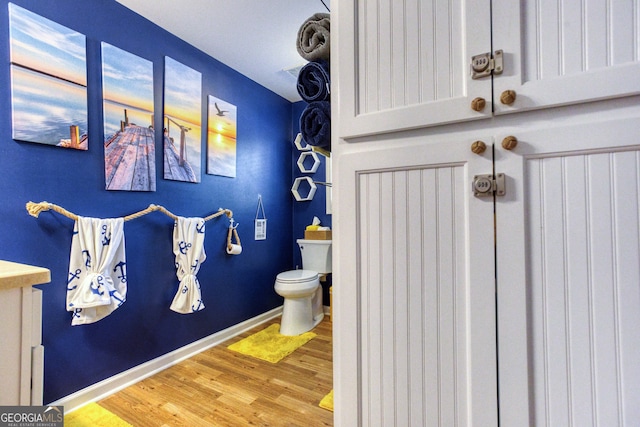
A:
[405,64]
[420,336]
[564,52]
[571,279]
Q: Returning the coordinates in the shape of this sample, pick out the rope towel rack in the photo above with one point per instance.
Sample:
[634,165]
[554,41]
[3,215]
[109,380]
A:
[34,210]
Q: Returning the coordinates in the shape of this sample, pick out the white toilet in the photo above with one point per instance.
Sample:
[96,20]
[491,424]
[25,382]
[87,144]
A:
[301,290]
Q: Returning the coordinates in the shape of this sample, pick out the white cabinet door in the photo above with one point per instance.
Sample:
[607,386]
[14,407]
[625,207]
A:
[405,64]
[565,52]
[569,285]
[414,288]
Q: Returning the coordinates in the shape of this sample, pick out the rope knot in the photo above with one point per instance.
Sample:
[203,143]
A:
[34,209]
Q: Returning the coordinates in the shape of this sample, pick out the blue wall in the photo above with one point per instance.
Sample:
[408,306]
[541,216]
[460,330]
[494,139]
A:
[234,288]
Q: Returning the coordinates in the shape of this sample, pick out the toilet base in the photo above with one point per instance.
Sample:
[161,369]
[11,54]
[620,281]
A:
[300,315]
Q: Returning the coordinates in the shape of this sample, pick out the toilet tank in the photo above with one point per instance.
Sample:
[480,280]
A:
[316,255]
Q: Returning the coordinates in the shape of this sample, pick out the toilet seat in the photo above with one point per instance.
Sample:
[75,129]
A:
[297,276]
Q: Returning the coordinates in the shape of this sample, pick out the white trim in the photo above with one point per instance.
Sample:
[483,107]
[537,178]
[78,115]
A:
[131,376]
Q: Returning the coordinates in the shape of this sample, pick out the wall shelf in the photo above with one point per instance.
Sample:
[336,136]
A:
[304,181]
[303,158]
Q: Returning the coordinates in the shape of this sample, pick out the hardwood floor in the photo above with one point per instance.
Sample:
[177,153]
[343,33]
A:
[220,387]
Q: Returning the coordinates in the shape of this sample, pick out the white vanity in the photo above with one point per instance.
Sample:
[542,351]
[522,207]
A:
[21,350]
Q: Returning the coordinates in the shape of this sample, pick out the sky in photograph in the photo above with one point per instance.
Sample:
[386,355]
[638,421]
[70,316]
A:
[126,78]
[40,44]
[182,92]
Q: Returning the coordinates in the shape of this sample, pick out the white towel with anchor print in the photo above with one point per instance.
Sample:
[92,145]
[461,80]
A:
[188,247]
[97,282]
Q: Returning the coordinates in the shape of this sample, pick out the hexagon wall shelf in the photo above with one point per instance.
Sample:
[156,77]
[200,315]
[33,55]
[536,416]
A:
[296,185]
[303,158]
[299,143]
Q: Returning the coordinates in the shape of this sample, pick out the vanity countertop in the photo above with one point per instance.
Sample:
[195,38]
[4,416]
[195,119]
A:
[15,275]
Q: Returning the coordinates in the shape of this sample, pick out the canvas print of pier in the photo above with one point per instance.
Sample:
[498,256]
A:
[48,81]
[129,137]
[182,122]
[221,138]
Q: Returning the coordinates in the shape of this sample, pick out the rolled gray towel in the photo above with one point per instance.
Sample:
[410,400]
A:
[314,37]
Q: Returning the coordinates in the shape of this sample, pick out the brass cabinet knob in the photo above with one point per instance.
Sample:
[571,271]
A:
[508,97]
[478,147]
[478,104]
[509,143]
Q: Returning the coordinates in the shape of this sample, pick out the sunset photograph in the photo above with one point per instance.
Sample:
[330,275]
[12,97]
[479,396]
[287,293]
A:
[48,81]
[129,136]
[221,137]
[182,122]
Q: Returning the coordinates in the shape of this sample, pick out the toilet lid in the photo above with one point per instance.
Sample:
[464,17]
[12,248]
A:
[297,276]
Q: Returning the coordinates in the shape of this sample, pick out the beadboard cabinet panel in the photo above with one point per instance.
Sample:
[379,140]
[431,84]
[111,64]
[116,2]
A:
[423,294]
[568,245]
[405,64]
[566,52]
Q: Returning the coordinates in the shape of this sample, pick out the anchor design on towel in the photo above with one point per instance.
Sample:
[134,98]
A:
[200,228]
[72,277]
[96,289]
[114,294]
[194,266]
[184,246]
[199,307]
[87,258]
[122,276]
[107,238]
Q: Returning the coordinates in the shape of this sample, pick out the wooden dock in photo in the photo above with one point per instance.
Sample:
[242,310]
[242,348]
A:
[130,160]
[176,167]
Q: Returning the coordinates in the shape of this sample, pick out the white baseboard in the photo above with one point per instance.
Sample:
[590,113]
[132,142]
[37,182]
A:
[131,376]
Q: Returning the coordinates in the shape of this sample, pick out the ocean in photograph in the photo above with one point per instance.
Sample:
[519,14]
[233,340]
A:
[114,113]
[44,108]
[221,155]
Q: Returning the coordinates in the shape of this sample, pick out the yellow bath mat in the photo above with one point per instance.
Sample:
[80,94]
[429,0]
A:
[327,401]
[269,345]
[94,415]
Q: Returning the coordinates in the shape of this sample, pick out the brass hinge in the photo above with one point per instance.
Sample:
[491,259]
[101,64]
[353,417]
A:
[484,64]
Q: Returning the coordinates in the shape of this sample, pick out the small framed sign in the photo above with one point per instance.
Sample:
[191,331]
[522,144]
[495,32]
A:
[261,229]
[260,223]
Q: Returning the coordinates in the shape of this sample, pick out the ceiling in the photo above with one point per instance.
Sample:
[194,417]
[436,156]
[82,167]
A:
[254,37]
